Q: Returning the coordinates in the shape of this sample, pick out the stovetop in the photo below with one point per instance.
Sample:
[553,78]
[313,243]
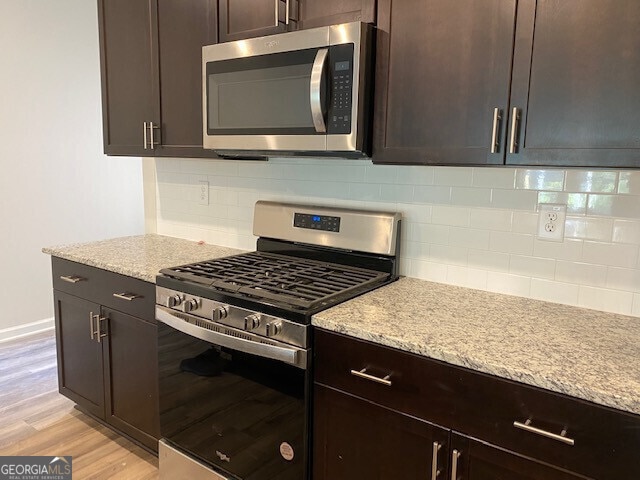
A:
[291,283]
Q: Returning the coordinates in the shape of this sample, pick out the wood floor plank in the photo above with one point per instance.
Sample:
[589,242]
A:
[36,420]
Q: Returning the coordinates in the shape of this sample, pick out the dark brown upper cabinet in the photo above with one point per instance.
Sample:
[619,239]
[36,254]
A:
[241,19]
[575,84]
[151,63]
[548,82]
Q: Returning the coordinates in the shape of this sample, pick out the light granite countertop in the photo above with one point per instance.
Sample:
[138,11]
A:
[584,353]
[141,256]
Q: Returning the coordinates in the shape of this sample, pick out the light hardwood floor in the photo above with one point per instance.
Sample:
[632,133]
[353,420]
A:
[36,420]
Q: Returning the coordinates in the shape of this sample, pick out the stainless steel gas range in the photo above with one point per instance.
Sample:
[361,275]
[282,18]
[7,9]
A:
[234,339]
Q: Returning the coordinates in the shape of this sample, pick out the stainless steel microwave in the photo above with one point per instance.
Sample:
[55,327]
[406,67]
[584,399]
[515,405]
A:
[306,92]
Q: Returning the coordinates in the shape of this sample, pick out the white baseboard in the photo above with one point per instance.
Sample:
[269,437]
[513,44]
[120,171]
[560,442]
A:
[12,333]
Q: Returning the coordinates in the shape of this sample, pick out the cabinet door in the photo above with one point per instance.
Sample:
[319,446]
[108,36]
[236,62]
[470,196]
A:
[319,13]
[251,18]
[575,83]
[131,376]
[129,73]
[183,29]
[480,461]
[442,69]
[354,438]
[79,354]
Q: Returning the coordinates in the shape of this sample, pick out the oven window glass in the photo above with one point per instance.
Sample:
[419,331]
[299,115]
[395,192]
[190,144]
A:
[240,413]
[265,94]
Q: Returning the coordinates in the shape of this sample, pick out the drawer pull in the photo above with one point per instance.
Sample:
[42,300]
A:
[72,278]
[526,426]
[363,374]
[127,296]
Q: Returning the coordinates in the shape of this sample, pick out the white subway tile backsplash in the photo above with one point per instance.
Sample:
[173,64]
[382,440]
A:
[589,228]
[613,254]
[540,179]
[473,197]
[532,266]
[576,202]
[507,242]
[552,291]
[492,219]
[467,277]
[514,199]
[456,216]
[626,206]
[626,231]
[581,273]
[453,176]
[494,177]
[604,299]
[509,284]
[469,238]
[435,194]
[591,181]
[466,226]
[623,279]
[491,261]
[629,183]
[570,250]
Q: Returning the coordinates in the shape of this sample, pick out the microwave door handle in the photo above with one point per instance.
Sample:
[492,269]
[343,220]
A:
[314,90]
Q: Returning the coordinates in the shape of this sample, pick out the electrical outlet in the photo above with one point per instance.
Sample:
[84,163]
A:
[551,219]
[203,194]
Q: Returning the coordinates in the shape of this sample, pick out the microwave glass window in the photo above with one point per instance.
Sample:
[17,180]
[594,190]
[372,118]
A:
[276,97]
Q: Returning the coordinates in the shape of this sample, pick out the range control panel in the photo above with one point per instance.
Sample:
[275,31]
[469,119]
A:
[316,222]
[341,81]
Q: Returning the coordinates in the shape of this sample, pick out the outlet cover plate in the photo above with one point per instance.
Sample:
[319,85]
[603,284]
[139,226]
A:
[551,221]
[203,192]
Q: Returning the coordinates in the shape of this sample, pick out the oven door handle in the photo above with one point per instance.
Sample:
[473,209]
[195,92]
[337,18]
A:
[290,355]
[314,90]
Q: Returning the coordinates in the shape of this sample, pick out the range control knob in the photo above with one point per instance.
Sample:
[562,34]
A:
[190,305]
[174,300]
[251,321]
[274,328]
[219,313]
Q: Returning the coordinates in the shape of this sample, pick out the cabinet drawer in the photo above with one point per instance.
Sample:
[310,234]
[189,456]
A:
[120,292]
[605,441]
[402,381]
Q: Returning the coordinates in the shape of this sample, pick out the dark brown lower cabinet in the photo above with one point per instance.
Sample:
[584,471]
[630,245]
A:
[354,438]
[481,461]
[381,413]
[107,353]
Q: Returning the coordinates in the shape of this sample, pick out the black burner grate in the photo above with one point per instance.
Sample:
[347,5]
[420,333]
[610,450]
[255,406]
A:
[293,281]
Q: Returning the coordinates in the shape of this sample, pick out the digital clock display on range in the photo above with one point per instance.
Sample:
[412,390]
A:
[316,222]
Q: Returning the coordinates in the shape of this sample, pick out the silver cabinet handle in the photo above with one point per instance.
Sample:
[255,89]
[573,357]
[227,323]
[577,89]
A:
[277,3]
[526,426]
[455,455]
[152,143]
[497,116]
[286,12]
[72,278]
[515,117]
[314,90]
[127,296]
[363,374]
[144,134]
[99,334]
[92,317]
[434,461]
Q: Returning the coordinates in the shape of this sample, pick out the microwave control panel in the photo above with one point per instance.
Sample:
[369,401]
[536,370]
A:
[341,81]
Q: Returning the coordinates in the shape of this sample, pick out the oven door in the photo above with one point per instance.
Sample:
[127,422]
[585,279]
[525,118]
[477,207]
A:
[295,92]
[235,406]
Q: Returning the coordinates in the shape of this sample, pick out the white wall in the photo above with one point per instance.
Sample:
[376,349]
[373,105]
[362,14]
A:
[56,186]
[466,226]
